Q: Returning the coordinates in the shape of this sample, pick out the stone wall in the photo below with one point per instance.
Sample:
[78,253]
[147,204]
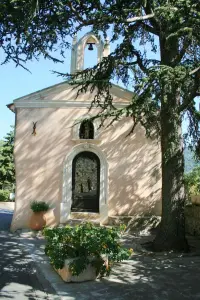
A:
[144,223]
[192,219]
[7,205]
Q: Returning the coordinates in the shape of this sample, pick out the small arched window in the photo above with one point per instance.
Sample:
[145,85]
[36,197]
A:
[86,130]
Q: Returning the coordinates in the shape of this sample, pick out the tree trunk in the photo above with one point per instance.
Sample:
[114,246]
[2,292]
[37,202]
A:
[171,234]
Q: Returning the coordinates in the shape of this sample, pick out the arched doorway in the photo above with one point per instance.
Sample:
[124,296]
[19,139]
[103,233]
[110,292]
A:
[85,182]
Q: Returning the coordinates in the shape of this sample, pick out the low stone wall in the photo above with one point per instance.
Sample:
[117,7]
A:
[137,223]
[192,219]
[7,205]
[141,223]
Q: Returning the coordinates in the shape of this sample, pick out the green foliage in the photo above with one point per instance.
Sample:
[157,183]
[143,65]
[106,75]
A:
[164,86]
[86,244]
[38,206]
[192,181]
[7,168]
[4,195]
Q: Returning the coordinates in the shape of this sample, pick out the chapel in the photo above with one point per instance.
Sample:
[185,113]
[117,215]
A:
[82,170]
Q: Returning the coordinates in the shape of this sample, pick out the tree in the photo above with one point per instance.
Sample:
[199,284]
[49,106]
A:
[164,87]
[7,169]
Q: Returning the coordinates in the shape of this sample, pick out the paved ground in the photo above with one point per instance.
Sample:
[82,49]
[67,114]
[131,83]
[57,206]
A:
[18,277]
[145,277]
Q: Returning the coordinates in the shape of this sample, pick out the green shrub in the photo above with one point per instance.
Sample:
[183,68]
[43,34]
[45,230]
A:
[87,244]
[4,195]
[192,182]
[38,206]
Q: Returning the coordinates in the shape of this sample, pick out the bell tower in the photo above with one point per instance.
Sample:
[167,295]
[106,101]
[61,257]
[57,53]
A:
[78,50]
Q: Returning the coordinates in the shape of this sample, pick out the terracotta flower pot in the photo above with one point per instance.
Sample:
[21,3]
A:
[88,274]
[37,221]
[195,199]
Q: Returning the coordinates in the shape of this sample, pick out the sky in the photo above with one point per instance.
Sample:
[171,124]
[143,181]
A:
[16,82]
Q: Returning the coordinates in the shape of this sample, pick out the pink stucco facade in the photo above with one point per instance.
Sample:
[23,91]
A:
[134,176]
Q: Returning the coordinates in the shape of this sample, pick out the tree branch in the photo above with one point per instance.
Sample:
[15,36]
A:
[182,52]
[84,22]
[81,20]
[140,18]
[195,71]
[140,61]
[194,91]
[149,10]
[149,28]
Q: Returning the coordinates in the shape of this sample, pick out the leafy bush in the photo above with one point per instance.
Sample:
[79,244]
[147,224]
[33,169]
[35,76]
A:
[7,167]
[192,182]
[38,206]
[87,244]
[4,195]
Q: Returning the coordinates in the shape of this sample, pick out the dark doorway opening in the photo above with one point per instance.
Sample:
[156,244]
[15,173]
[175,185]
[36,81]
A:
[85,182]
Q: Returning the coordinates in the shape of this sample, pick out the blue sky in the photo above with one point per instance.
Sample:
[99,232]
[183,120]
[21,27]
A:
[17,82]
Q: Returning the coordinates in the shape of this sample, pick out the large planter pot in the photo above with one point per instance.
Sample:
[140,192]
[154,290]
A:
[195,199]
[87,275]
[37,221]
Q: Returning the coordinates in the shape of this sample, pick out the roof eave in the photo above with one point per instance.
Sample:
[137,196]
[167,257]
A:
[11,106]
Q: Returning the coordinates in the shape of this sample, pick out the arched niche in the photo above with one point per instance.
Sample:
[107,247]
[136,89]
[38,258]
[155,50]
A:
[77,126]
[86,130]
[78,50]
[66,204]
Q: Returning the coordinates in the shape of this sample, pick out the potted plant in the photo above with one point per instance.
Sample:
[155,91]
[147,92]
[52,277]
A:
[84,252]
[37,221]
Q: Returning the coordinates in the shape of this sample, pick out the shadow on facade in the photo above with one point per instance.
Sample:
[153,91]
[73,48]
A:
[134,163]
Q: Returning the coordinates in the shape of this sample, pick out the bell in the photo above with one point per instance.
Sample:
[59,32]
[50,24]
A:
[90,47]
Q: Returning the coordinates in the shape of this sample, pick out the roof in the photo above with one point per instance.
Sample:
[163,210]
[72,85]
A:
[64,94]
